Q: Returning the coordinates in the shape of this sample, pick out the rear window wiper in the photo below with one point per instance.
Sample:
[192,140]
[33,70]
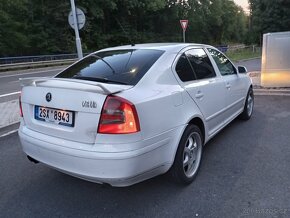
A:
[98,79]
[109,65]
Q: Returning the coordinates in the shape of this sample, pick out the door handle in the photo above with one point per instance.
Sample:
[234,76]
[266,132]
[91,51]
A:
[199,95]
[228,85]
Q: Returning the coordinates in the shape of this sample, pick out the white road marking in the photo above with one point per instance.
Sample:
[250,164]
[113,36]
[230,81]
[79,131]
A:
[20,74]
[8,94]
[9,133]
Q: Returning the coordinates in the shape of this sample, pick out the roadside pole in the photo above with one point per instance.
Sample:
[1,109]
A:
[78,40]
[184,24]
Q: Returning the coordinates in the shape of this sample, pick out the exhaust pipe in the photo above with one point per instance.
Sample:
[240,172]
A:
[32,159]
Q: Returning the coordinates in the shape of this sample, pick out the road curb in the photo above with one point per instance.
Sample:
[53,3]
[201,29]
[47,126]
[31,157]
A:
[263,89]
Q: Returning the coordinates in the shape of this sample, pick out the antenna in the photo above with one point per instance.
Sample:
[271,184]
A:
[133,44]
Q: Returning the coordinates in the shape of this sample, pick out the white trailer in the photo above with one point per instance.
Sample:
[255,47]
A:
[275,70]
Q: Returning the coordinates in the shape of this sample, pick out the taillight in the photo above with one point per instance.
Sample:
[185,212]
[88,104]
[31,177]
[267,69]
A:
[20,106]
[119,116]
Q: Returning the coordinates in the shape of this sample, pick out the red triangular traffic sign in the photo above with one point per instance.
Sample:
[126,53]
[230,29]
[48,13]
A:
[184,24]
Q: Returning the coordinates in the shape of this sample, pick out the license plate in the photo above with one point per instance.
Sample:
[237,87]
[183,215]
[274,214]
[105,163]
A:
[55,116]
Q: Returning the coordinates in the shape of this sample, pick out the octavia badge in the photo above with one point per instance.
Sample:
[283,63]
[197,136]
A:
[48,97]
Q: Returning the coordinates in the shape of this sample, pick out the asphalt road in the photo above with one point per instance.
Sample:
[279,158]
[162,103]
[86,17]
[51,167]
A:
[245,173]
[251,65]
[9,81]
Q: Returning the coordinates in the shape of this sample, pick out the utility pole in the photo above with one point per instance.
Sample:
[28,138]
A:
[76,28]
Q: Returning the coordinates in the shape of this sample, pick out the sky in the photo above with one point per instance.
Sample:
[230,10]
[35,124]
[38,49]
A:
[243,3]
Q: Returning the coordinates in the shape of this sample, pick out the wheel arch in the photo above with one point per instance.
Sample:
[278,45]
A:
[175,173]
[250,87]
[200,124]
[198,121]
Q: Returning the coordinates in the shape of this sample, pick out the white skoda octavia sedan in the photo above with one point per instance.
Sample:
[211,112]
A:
[125,114]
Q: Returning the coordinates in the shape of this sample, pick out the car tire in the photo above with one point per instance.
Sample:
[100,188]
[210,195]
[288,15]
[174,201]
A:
[249,106]
[188,156]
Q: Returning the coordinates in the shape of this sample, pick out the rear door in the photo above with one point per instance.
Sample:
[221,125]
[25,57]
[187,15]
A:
[204,86]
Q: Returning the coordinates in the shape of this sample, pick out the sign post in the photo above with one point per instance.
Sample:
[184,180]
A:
[76,28]
[184,24]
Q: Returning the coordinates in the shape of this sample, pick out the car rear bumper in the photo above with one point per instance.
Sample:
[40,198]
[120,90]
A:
[114,168]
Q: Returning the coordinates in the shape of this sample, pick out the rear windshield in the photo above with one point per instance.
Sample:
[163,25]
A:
[118,66]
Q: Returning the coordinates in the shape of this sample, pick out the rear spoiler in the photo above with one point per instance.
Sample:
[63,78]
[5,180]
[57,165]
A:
[88,85]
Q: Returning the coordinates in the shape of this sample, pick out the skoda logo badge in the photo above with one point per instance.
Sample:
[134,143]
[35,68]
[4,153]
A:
[48,97]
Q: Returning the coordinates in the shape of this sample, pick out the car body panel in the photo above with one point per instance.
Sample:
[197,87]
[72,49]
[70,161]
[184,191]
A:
[119,164]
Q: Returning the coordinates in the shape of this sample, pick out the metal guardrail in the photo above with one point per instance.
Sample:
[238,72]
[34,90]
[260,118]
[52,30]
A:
[29,65]
[36,58]
[37,61]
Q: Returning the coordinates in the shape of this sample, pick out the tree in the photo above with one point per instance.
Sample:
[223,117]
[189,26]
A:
[12,29]
[38,27]
[216,22]
[269,16]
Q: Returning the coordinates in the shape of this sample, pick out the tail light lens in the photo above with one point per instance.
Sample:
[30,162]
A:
[20,106]
[119,116]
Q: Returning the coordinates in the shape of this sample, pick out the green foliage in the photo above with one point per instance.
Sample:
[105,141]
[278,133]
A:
[268,16]
[216,22]
[34,27]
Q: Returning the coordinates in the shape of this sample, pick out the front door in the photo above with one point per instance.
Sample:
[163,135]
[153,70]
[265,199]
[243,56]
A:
[232,82]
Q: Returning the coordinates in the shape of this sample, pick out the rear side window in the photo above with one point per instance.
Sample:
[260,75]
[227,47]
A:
[194,64]
[184,70]
[117,66]
[200,63]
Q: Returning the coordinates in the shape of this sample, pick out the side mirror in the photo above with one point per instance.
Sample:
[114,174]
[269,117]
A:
[242,69]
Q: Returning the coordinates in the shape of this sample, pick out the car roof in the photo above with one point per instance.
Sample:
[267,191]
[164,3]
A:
[170,47]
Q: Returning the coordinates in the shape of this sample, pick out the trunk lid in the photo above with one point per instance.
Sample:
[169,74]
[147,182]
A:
[82,99]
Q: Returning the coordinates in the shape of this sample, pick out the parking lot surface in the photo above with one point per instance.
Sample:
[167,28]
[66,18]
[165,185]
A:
[244,173]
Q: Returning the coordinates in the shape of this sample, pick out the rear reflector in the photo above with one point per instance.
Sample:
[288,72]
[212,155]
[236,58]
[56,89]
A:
[119,116]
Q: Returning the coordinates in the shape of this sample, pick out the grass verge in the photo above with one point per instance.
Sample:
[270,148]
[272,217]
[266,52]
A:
[238,55]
